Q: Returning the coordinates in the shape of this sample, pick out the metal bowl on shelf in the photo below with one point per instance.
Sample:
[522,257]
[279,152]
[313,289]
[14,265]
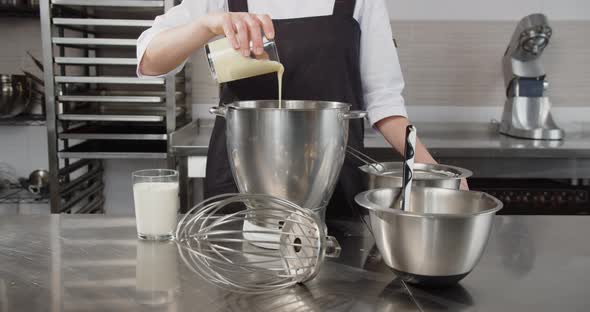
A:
[15,95]
[389,175]
[439,240]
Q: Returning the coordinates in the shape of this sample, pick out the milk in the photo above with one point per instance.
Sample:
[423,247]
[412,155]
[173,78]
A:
[230,65]
[156,208]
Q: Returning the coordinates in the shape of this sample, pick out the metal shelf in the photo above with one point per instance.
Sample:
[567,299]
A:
[95,61]
[115,114]
[94,206]
[109,80]
[93,42]
[112,3]
[10,11]
[18,195]
[95,189]
[111,99]
[120,116]
[79,182]
[102,22]
[116,132]
[116,149]
[24,120]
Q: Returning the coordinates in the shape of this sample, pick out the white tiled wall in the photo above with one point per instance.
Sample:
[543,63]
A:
[458,63]
[494,10]
[17,36]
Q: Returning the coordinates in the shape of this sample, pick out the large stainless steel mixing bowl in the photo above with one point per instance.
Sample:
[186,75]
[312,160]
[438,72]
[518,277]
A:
[295,152]
[426,175]
[439,240]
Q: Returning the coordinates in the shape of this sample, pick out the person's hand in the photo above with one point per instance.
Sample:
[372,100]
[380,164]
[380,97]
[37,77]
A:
[241,29]
[464,186]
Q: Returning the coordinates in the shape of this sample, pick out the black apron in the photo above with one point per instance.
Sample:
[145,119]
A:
[321,56]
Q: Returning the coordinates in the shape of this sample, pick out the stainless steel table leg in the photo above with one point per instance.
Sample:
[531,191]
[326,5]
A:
[186,187]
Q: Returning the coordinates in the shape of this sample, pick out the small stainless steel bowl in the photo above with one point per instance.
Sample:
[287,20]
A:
[427,175]
[439,240]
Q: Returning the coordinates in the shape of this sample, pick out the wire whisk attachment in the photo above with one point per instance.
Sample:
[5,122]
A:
[220,249]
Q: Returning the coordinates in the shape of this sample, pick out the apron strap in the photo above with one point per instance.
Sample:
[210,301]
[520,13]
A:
[237,5]
[343,7]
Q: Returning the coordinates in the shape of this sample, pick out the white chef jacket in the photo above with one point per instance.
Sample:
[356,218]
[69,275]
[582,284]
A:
[381,74]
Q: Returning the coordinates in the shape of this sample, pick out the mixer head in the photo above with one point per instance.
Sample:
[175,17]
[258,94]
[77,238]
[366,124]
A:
[219,249]
[530,38]
[522,57]
[533,40]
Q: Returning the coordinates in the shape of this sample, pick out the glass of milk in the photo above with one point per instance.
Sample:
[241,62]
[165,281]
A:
[227,64]
[155,194]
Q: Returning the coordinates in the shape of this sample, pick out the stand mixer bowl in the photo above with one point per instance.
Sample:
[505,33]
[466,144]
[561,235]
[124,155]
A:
[294,152]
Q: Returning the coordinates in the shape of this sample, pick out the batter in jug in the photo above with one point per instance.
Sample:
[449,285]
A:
[228,65]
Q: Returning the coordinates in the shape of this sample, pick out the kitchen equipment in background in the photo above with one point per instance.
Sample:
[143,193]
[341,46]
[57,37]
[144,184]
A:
[19,4]
[389,174]
[527,111]
[408,167]
[537,196]
[15,95]
[439,240]
[37,62]
[370,162]
[297,153]
[432,175]
[98,106]
[37,105]
[8,177]
[37,183]
[214,244]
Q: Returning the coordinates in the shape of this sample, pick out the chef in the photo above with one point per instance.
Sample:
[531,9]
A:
[332,50]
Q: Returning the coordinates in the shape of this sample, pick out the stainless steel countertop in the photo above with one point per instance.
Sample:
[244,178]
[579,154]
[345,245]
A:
[90,263]
[474,140]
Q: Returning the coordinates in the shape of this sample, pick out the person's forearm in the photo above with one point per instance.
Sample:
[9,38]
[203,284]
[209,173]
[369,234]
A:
[394,131]
[171,47]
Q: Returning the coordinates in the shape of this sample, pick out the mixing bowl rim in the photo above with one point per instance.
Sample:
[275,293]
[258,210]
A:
[462,172]
[341,105]
[364,202]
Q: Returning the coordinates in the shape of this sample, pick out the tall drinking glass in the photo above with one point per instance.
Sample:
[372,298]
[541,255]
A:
[155,194]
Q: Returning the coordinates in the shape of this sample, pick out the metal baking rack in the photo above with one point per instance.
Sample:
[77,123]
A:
[96,106]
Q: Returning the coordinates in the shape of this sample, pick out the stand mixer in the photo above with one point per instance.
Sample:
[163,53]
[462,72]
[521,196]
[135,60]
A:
[527,111]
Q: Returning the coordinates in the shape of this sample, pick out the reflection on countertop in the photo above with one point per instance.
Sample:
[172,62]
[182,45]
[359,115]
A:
[95,263]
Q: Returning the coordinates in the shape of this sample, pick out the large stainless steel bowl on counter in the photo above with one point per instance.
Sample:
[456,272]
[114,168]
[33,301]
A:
[389,175]
[439,240]
[294,152]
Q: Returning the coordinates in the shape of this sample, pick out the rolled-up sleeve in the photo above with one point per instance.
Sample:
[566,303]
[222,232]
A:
[181,14]
[381,73]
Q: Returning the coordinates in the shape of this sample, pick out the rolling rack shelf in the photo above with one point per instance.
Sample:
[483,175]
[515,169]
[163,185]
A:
[25,11]
[24,120]
[96,106]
